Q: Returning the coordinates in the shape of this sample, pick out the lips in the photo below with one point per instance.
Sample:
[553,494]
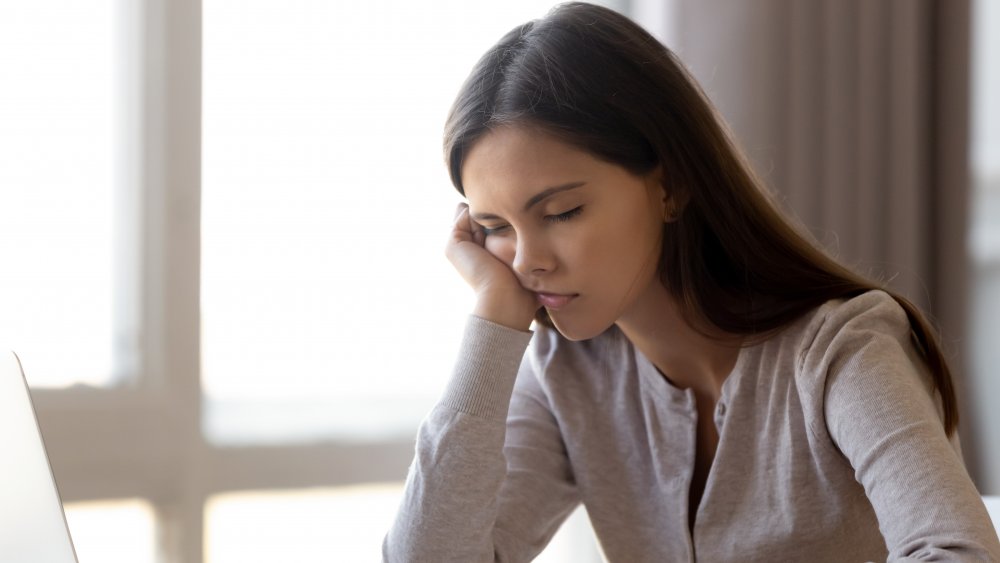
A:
[554,300]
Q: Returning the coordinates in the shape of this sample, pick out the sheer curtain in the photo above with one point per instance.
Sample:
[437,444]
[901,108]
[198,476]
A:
[856,114]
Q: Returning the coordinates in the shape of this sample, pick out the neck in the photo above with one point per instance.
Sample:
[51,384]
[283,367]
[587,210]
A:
[687,358]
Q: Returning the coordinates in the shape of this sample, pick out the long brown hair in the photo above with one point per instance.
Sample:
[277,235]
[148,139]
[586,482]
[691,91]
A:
[598,81]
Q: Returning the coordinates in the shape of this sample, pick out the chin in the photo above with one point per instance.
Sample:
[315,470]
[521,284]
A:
[576,331]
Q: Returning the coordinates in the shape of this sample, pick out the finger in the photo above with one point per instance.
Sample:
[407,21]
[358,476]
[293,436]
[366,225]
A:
[462,221]
[472,227]
[461,230]
[465,229]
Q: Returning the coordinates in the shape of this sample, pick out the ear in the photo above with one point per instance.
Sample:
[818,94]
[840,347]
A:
[671,200]
[675,204]
[656,187]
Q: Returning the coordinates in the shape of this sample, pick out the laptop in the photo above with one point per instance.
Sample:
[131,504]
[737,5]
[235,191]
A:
[32,523]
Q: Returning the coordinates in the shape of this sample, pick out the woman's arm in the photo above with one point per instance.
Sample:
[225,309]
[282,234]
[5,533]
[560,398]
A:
[881,414]
[484,486]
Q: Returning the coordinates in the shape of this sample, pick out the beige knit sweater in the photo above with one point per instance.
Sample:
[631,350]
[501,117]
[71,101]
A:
[830,448]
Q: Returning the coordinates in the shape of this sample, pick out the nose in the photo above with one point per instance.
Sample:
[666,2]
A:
[532,257]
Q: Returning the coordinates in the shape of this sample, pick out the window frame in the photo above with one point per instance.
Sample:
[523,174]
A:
[143,438]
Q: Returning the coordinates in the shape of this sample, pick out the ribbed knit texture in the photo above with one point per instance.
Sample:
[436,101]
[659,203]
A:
[485,369]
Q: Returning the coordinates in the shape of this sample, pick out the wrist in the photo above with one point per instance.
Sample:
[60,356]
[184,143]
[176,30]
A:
[505,312]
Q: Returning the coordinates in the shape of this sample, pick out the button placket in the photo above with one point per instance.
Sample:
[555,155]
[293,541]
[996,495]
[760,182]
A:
[720,414]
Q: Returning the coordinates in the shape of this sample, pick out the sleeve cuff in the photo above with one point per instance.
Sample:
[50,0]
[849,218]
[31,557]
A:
[485,370]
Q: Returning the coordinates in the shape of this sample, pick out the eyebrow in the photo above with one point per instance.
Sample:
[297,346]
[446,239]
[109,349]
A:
[535,199]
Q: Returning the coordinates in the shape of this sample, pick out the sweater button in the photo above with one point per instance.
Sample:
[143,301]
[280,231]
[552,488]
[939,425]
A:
[720,409]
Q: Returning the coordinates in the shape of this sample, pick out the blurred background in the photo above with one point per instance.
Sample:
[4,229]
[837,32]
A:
[223,225]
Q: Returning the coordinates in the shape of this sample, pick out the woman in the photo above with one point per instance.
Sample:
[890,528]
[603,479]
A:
[708,383]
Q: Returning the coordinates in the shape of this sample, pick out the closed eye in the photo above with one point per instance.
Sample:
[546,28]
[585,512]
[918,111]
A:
[564,216]
[487,231]
[558,218]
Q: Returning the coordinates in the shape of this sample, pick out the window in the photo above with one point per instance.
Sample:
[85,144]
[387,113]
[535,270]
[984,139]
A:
[984,237]
[329,313]
[214,206]
[326,298]
[66,260]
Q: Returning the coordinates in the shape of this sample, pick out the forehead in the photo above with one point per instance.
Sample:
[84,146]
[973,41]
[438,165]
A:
[510,164]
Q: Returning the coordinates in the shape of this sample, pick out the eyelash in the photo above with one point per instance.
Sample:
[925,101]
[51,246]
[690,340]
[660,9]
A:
[559,218]
[564,216]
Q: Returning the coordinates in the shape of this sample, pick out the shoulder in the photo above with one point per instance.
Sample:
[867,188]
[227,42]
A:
[841,326]
[857,339]
[855,349]
[849,358]
[816,340]
[872,310]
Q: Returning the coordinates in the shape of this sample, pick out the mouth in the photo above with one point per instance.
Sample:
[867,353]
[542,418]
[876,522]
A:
[554,301]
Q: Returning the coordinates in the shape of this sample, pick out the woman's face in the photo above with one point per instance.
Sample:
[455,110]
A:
[583,234]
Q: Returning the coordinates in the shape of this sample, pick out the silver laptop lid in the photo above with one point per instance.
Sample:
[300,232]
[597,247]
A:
[32,524]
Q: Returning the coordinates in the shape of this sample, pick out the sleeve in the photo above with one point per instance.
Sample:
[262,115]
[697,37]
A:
[485,484]
[881,413]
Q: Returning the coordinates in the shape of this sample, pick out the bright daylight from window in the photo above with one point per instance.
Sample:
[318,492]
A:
[328,306]
[58,128]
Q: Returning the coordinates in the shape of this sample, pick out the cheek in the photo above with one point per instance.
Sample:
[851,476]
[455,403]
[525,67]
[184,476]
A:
[622,247]
[501,247]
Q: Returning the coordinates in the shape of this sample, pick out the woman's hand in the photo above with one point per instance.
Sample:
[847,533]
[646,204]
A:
[499,295]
